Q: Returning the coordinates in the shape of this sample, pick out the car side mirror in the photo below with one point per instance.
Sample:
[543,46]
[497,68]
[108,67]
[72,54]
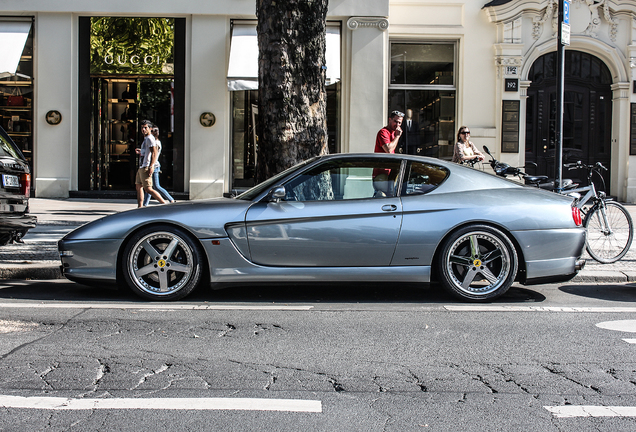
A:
[277,193]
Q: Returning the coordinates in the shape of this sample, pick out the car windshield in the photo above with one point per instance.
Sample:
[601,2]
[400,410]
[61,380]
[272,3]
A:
[252,193]
[7,147]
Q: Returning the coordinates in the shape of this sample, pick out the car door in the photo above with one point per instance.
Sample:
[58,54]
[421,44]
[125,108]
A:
[340,213]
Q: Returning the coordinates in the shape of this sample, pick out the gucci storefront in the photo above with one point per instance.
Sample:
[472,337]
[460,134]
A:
[130,70]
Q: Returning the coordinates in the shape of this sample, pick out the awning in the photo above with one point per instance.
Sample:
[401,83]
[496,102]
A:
[13,37]
[242,73]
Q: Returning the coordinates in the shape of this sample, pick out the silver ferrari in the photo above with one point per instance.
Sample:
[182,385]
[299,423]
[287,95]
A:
[343,217]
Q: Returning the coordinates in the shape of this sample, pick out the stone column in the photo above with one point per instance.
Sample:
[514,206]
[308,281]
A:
[368,83]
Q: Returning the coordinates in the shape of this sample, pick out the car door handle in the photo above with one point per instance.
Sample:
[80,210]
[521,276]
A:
[389,207]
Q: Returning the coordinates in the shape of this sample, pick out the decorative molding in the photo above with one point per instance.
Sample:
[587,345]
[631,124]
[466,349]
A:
[508,65]
[550,15]
[381,24]
[523,89]
[620,90]
[595,18]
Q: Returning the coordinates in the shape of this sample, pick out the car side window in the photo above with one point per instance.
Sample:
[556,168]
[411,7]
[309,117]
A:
[345,179]
[423,178]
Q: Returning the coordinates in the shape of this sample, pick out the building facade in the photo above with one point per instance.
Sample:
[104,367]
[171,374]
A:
[87,72]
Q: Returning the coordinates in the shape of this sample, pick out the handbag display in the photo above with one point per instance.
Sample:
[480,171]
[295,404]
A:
[16,98]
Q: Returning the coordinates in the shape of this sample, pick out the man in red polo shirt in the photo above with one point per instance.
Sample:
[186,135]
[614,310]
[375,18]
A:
[387,139]
[385,142]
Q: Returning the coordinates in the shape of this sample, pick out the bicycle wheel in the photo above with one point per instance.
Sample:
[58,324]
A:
[608,242]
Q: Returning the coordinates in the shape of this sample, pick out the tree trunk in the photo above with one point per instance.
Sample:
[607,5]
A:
[292,123]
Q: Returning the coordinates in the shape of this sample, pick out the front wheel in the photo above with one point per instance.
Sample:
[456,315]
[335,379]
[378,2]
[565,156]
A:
[609,232]
[477,263]
[162,263]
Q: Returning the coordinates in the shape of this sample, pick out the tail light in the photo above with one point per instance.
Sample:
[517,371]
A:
[576,215]
[25,184]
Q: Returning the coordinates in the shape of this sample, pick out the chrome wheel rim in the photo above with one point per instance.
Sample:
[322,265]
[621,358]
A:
[161,263]
[478,263]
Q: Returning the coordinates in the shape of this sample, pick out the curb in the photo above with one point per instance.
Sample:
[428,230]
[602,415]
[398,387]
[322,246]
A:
[605,276]
[31,271]
[51,270]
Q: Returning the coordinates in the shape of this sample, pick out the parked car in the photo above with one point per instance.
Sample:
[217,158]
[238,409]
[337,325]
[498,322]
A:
[345,217]
[15,188]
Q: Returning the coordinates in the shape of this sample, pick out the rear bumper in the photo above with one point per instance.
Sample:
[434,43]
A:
[14,226]
[19,222]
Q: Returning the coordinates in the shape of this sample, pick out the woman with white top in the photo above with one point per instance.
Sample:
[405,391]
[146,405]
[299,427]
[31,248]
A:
[155,174]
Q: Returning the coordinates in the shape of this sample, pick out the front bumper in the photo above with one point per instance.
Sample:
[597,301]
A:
[89,260]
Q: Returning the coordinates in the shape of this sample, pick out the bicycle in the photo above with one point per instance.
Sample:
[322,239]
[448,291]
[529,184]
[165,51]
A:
[609,226]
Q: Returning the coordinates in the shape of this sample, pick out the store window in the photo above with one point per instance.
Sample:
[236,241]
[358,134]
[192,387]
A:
[130,76]
[422,85]
[16,82]
[243,84]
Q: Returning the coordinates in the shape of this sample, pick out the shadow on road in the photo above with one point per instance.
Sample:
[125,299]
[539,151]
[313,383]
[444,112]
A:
[287,293]
[610,292]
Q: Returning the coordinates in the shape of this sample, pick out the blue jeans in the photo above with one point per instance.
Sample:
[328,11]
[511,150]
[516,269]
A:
[156,186]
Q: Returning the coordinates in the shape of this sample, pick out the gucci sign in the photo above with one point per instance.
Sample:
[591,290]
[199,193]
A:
[135,60]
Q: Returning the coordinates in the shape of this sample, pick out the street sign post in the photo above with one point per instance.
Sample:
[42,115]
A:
[563,39]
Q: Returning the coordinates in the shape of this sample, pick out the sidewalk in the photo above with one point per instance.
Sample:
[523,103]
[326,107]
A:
[38,258]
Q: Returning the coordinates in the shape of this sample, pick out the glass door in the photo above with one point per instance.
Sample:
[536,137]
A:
[120,104]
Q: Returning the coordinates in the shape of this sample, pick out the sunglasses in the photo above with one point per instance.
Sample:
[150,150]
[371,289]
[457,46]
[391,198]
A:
[397,113]
[465,133]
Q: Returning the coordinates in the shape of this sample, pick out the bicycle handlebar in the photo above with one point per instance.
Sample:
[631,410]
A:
[579,164]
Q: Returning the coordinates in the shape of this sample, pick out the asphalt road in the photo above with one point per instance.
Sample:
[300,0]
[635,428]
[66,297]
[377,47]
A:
[317,358]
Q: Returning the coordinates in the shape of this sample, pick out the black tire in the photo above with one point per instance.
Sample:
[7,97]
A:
[477,263]
[162,263]
[608,244]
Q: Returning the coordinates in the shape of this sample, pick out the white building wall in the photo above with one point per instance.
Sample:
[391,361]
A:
[367,111]
[207,148]
[55,87]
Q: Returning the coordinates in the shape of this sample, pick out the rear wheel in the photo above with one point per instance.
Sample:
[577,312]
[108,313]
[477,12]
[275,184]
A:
[477,263]
[609,232]
[162,263]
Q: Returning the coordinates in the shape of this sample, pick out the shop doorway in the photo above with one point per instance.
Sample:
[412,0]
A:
[586,116]
[119,106]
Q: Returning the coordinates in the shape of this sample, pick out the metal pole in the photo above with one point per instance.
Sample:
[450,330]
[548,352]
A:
[564,27]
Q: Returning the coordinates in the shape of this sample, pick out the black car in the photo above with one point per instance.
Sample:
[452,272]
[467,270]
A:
[15,187]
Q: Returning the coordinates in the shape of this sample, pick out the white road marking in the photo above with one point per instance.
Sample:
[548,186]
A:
[628,326]
[630,341]
[245,404]
[495,308]
[154,307]
[591,411]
